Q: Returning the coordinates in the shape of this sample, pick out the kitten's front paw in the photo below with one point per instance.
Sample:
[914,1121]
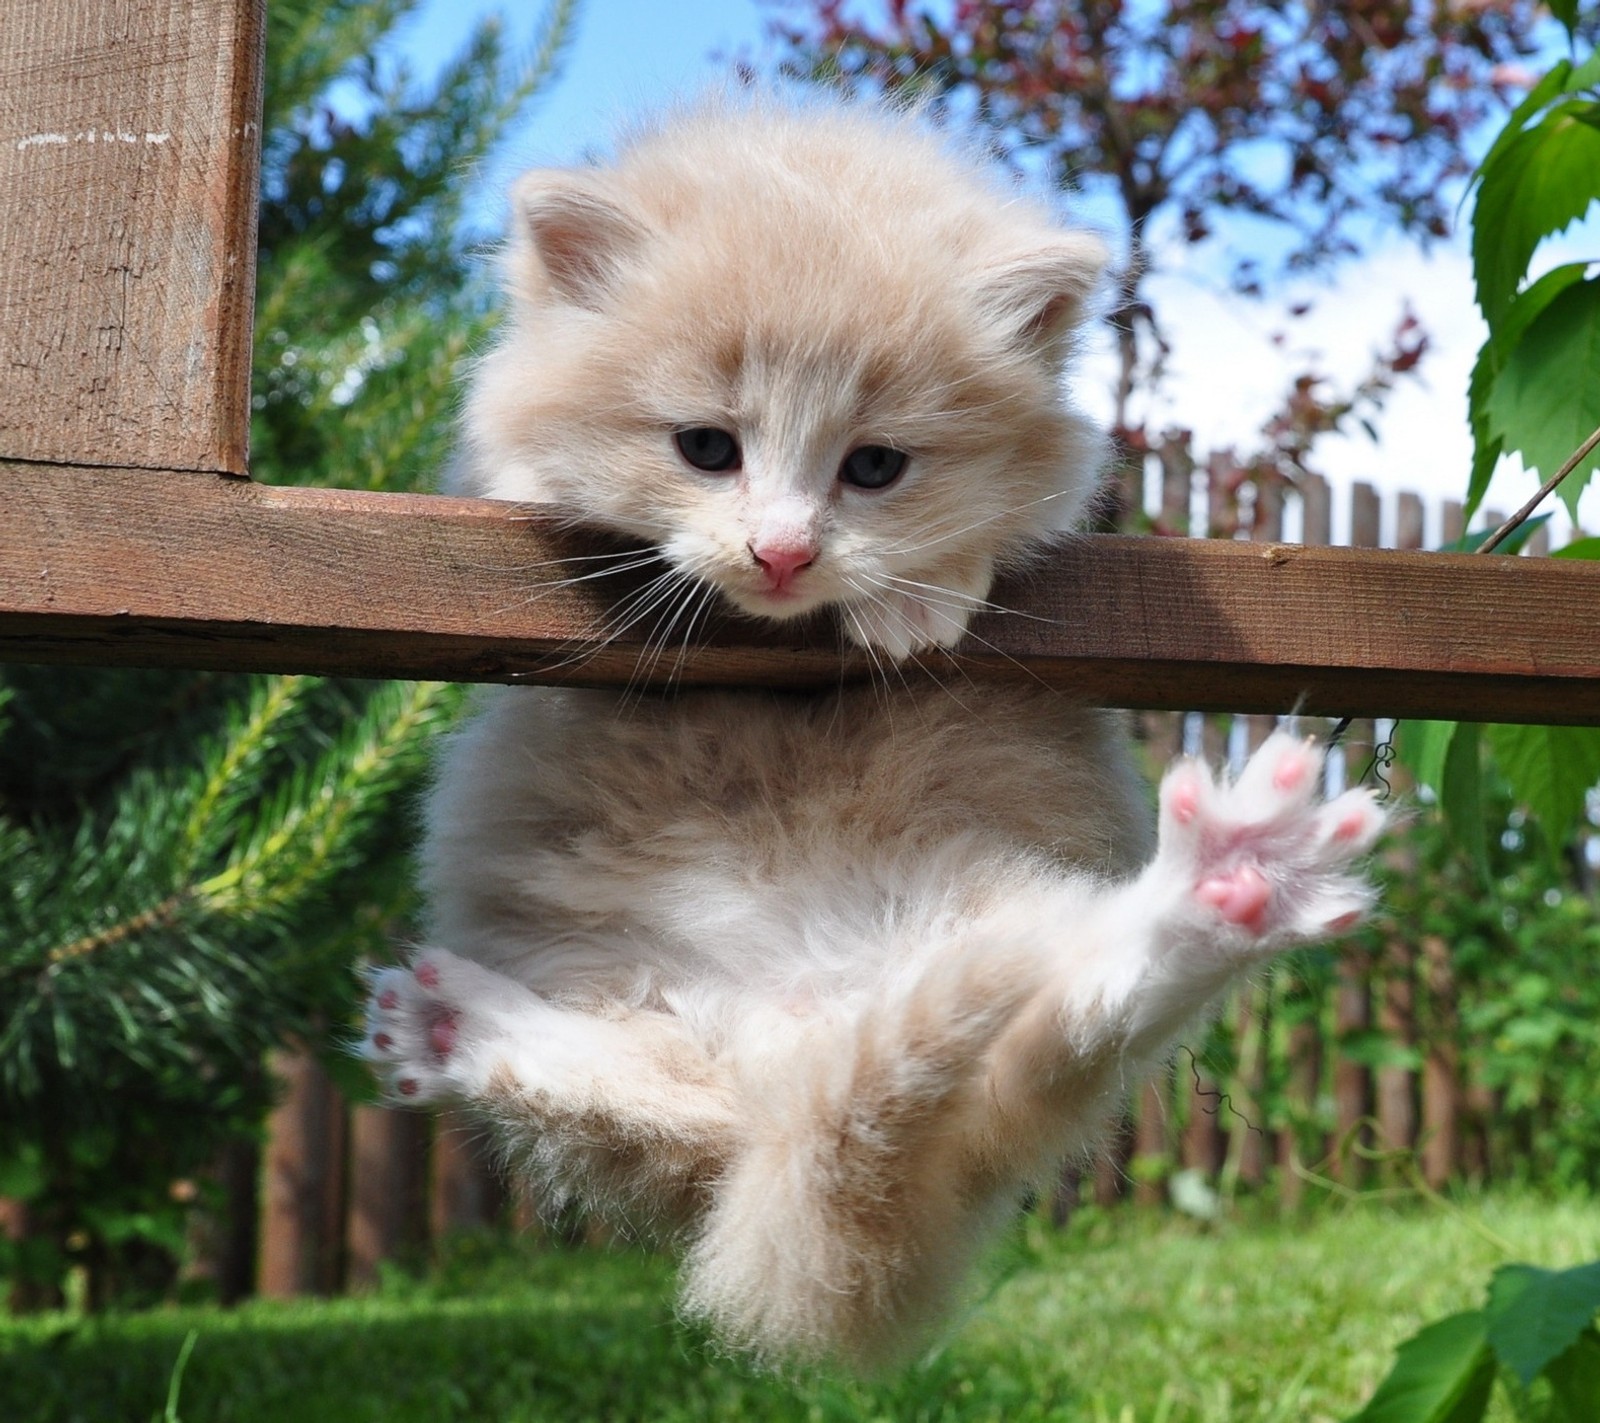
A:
[1265,857]
[428,1034]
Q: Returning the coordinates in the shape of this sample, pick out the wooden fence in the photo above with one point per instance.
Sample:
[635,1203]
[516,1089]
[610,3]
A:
[344,1187]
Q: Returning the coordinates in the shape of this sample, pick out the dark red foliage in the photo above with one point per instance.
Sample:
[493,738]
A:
[1323,121]
[1310,115]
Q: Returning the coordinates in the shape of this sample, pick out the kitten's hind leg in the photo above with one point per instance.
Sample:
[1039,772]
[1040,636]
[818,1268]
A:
[625,1111]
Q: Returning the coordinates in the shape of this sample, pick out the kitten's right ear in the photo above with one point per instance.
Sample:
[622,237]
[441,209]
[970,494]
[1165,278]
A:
[1040,293]
[572,235]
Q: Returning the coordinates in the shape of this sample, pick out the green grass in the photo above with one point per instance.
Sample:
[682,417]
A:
[1129,1319]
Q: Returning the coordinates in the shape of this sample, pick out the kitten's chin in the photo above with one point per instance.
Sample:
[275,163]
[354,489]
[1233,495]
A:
[898,626]
[780,605]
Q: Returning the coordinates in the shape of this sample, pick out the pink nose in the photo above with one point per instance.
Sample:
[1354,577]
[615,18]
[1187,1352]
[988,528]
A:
[780,562]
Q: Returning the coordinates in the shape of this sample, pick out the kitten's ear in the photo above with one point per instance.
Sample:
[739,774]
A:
[1039,294]
[572,234]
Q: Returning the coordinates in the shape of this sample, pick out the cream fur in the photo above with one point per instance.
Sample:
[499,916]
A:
[821,984]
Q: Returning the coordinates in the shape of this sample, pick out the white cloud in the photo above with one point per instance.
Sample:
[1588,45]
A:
[1226,375]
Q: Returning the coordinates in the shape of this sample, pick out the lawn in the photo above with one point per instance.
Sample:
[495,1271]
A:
[1134,1318]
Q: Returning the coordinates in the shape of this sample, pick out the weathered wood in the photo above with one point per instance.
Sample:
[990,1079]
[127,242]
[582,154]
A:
[129,151]
[464,1192]
[119,567]
[388,1189]
[300,1247]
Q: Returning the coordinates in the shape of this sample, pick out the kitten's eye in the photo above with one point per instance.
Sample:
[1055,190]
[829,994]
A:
[709,449]
[872,466]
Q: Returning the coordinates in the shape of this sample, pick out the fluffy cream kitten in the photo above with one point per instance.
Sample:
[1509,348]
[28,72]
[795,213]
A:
[820,984]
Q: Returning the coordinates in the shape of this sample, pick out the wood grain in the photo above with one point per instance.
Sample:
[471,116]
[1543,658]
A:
[120,567]
[129,154]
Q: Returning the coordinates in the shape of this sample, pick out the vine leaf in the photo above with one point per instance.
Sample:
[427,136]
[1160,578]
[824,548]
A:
[1534,1315]
[1444,756]
[1442,1374]
[1488,446]
[1545,400]
[1461,792]
[1550,769]
[1423,746]
[1534,184]
[1566,11]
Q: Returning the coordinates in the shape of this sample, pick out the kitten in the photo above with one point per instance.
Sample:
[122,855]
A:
[820,984]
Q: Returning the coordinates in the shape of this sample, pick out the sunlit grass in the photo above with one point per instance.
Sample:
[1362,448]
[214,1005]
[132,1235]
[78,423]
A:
[1121,1319]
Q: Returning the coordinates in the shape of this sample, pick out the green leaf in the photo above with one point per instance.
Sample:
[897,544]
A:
[1545,400]
[1534,184]
[1554,85]
[1535,1315]
[1471,543]
[1488,446]
[1442,1374]
[1551,769]
[1575,1381]
[1566,11]
[1422,746]
[1579,548]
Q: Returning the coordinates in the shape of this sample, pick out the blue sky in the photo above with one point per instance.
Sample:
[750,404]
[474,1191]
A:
[625,55]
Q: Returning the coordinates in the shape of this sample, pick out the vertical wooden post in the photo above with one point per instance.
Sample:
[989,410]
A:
[1177,489]
[464,1192]
[130,155]
[1111,1165]
[1441,1068]
[1452,521]
[388,1188]
[1152,1153]
[1397,1083]
[300,1245]
[1409,522]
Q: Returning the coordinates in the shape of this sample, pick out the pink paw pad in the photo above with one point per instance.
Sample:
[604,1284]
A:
[427,975]
[388,1000]
[1183,800]
[442,1036]
[1351,826]
[1241,896]
[1290,773]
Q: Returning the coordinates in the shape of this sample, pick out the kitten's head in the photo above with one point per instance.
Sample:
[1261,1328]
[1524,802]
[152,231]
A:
[810,352]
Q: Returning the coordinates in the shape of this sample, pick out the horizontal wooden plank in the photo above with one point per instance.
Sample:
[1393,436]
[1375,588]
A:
[129,163]
[117,567]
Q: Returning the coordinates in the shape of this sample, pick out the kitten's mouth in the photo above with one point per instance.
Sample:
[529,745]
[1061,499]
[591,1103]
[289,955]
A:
[781,603]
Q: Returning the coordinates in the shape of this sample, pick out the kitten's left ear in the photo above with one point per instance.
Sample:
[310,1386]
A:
[1039,294]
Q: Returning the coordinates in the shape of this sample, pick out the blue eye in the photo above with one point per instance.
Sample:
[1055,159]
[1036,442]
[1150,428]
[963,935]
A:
[709,449]
[872,466]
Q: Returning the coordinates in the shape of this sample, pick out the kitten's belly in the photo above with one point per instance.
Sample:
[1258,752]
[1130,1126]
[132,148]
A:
[576,835]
